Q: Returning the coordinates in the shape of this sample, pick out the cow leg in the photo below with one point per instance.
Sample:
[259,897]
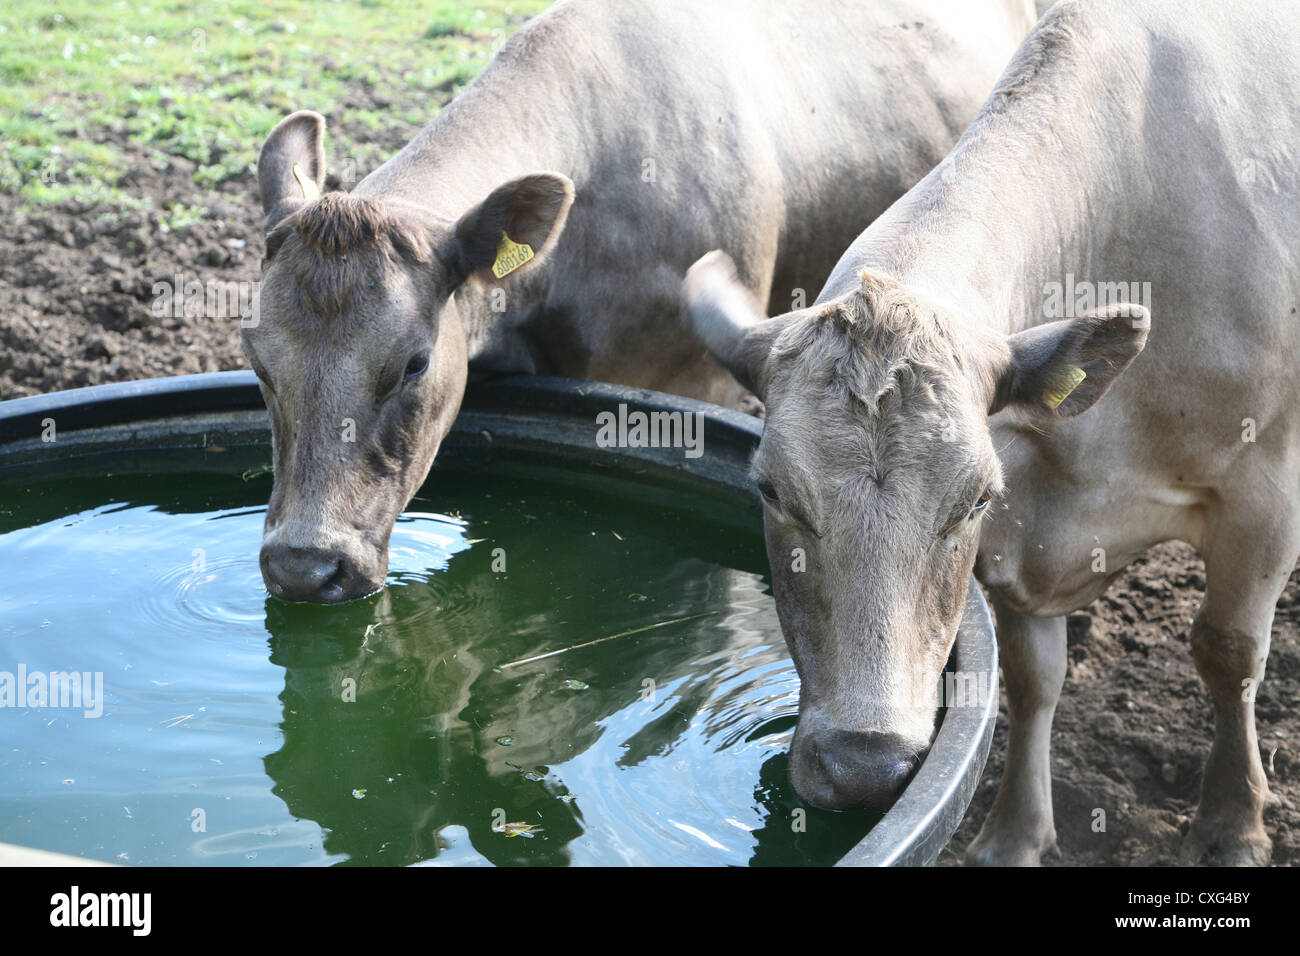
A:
[1245,574]
[1019,827]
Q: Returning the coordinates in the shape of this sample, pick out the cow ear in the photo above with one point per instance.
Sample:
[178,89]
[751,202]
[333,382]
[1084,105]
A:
[514,228]
[291,166]
[728,320]
[1059,369]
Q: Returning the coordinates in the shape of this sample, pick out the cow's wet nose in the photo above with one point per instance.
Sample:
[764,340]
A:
[847,770]
[307,574]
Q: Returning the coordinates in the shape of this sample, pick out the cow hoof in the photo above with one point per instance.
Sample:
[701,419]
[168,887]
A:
[991,852]
[1215,845]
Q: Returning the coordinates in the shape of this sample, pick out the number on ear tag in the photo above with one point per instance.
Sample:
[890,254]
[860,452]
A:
[1065,382]
[510,256]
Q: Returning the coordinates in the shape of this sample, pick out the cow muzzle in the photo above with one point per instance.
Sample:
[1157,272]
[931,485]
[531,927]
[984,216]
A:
[847,770]
[318,575]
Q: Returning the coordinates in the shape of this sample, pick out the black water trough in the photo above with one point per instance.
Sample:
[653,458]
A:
[552,418]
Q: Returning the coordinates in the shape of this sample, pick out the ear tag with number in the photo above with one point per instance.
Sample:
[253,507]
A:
[1065,382]
[510,256]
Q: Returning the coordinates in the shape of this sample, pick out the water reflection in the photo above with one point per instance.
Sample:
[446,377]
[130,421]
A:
[400,733]
[643,748]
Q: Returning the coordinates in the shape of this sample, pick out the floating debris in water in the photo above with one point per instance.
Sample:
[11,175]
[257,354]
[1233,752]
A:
[536,774]
[505,741]
[257,472]
[576,684]
[518,829]
[602,640]
[698,834]
[359,793]
[615,534]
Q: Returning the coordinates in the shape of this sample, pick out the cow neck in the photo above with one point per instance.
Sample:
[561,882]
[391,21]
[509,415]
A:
[1012,209]
[488,135]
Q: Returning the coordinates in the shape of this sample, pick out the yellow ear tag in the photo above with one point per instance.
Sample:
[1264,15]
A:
[510,256]
[310,190]
[1065,382]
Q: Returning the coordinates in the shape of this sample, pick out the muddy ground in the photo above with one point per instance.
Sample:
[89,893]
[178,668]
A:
[78,285]
[1134,724]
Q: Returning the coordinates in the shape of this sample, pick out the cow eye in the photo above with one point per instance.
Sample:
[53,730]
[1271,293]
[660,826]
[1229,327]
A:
[416,367]
[767,491]
[981,504]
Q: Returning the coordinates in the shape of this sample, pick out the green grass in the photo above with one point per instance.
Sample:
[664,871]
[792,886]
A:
[178,215]
[206,81]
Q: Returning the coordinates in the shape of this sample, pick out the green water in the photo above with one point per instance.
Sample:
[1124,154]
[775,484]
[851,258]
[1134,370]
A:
[229,734]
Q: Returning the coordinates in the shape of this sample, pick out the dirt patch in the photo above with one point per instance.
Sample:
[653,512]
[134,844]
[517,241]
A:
[77,286]
[1134,724]
[80,287]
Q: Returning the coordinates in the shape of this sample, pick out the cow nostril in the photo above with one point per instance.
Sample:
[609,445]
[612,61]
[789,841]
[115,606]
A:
[332,585]
[322,573]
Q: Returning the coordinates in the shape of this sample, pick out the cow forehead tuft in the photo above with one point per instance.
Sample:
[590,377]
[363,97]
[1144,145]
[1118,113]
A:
[339,244]
[872,350]
[338,224]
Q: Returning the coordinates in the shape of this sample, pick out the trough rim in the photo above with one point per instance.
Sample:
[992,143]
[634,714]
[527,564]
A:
[913,832]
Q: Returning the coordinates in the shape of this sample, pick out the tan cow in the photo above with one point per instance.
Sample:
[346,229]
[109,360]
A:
[934,410]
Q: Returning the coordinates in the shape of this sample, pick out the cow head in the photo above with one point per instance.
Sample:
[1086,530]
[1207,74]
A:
[876,468]
[360,351]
